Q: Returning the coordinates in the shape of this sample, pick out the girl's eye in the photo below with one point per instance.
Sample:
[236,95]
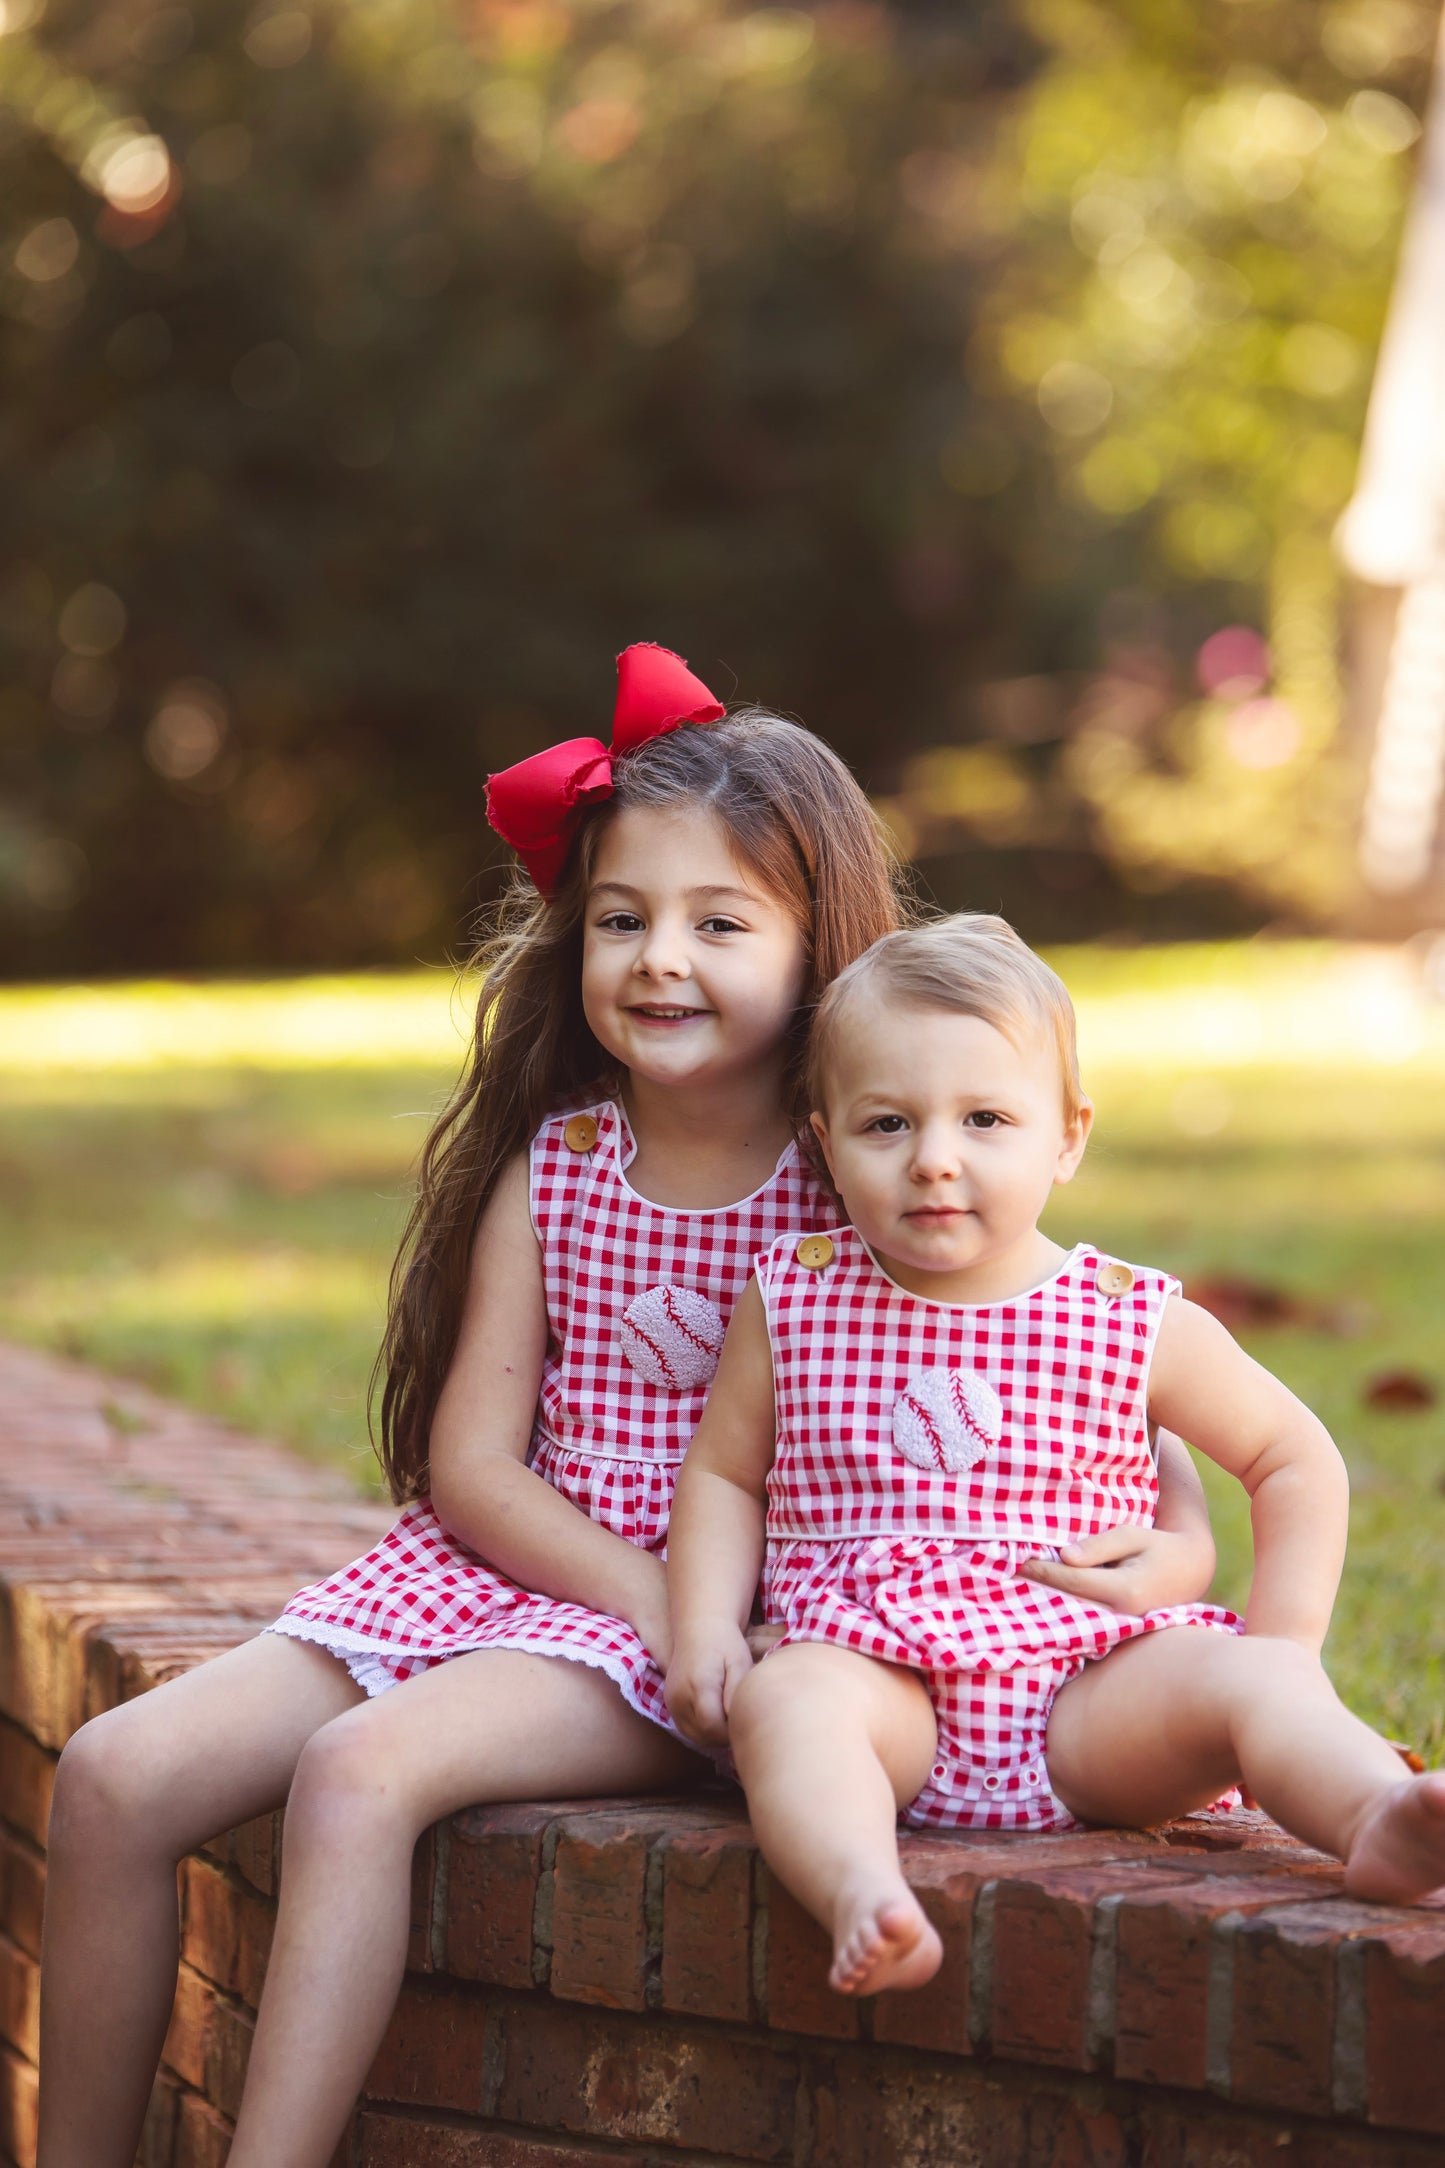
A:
[888,1125]
[621,922]
[718,924]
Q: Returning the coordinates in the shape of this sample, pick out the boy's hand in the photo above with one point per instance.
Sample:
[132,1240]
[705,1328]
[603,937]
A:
[1132,1569]
[701,1681]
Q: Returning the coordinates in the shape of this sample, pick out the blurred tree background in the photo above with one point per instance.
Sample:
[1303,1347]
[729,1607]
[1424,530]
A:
[979,384]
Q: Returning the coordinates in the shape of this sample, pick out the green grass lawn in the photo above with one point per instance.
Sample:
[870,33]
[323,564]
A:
[201,1186]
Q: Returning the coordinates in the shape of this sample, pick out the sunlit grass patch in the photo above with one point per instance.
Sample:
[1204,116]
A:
[203,1186]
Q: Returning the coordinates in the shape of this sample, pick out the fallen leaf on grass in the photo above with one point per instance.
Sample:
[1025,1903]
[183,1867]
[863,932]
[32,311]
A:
[1249,1305]
[1400,1392]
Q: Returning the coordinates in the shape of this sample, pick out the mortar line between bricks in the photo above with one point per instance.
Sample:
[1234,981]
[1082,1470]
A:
[980,1969]
[758,1953]
[1219,2005]
[440,1894]
[1349,2074]
[542,1907]
[652,1874]
[1103,1983]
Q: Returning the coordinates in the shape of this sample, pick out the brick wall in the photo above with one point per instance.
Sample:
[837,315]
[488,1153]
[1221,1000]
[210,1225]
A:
[621,1984]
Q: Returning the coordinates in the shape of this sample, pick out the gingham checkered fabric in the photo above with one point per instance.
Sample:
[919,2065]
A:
[606,1438]
[915,1567]
[1068,1364]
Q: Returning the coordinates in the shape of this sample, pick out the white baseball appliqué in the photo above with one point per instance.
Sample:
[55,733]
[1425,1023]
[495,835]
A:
[945,1420]
[672,1336]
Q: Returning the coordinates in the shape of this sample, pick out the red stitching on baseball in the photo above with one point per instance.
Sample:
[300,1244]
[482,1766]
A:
[935,1436]
[962,1411]
[669,1304]
[667,1370]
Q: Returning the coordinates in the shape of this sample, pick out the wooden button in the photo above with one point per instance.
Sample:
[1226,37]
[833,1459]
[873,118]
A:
[814,1251]
[1114,1279]
[580,1134]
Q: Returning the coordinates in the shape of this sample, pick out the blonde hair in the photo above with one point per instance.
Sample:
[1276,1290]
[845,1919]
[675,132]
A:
[969,965]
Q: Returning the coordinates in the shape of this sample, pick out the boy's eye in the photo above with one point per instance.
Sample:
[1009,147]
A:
[982,1118]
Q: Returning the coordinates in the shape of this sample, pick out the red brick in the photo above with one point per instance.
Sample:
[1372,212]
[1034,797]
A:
[1405,2023]
[434,2051]
[1043,1956]
[203,2138]
[873,2111]
[800,1953]
[229,2051]
[27,1773]
[1162,1954]
[936,2017]
[707,1911]
[496,1859]
[256,1853]
[600,1940]
[19,2109]
[22,1892]
[565,2067]
[388,2142]
[1284,1969]
[19,2000]
[188,2037]
[225,1929]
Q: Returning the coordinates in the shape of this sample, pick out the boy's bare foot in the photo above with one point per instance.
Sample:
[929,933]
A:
[882,1937]
[1399,1848]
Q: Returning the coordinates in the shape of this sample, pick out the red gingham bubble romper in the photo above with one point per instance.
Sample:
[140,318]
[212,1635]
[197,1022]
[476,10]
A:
[620,1399]
[923,1450]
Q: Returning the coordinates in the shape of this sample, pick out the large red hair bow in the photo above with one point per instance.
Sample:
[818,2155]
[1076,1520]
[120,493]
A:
[534,806]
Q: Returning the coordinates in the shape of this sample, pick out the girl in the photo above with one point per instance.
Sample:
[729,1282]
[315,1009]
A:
[916,1400]
[573,1255]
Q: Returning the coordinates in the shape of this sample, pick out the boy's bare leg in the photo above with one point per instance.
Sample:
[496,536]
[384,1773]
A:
[494,1725]
[136,1790]
[829,1745]
[1167,1722]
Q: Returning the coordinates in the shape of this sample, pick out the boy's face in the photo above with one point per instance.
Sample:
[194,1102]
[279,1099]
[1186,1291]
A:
[945,1137]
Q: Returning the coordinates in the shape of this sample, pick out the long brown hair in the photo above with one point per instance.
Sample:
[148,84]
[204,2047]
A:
[796,818]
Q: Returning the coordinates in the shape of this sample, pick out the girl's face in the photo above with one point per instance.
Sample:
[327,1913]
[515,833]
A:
[691,971]
[944,1138]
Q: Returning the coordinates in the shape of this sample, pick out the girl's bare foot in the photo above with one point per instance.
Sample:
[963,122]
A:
[882,1938]
[1399,1848]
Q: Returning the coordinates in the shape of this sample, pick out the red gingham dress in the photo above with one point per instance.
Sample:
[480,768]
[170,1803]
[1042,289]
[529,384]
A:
[607,1436]
[1023,1426]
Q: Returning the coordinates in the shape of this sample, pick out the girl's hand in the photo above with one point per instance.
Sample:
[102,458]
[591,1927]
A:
[1132,1569]
[762,1638]
[701,1681]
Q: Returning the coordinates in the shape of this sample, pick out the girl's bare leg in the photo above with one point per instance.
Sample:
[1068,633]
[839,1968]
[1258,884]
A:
[495,1725]
[1167,1722]
[829,1745]
[136,1790]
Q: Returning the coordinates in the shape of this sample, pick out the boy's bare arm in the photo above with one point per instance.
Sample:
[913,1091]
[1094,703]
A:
[1254,1427]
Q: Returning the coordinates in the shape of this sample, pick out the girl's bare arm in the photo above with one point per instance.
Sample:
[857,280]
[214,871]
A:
[1252,1425]
[715,1537]
[482,1488]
